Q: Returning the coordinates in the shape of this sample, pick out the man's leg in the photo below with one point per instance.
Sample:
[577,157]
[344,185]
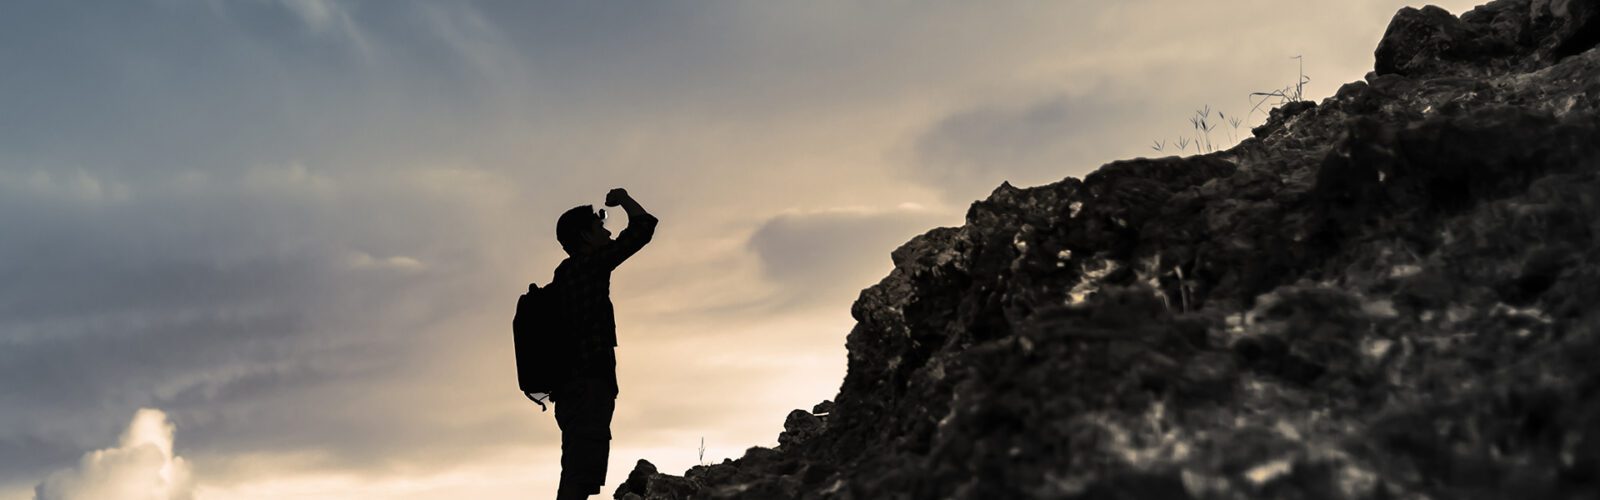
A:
[599,444]
[584,416]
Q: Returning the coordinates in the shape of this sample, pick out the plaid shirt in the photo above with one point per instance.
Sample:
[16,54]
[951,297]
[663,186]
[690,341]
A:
[585,287]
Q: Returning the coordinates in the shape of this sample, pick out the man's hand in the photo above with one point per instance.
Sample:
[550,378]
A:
[616,197]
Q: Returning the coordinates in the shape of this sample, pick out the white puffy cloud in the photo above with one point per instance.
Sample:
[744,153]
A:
[142,467]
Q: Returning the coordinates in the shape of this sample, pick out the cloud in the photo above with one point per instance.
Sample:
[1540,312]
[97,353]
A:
[823,254]
[322,16]
[1129,73]
[141,467]
[970,151]
[363,260]
[77,185]
[207,294]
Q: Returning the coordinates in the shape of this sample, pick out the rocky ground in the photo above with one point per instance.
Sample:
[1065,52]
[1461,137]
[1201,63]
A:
[1390,294]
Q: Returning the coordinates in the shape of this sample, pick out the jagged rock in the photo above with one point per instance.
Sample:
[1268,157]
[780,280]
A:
[666,487]
[1278,118]
[823,408]
[798,428]
[1497,37]
[1574,25]
[638,480]
[1389,294]
[1424,41]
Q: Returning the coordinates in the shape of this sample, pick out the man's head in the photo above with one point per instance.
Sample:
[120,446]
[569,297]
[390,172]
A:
[582,229]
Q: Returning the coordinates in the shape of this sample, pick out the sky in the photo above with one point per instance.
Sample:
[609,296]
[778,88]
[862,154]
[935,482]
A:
[271,249]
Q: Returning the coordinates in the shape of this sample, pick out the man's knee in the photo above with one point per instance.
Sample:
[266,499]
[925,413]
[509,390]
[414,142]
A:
[588,434]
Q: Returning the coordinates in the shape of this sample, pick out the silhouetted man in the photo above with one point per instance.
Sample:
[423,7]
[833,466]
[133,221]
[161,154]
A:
[584,405]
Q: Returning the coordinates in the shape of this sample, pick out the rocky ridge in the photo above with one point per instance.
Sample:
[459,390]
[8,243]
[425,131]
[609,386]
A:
[1388,294]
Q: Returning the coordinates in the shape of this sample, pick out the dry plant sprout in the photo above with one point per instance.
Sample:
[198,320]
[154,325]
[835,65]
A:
[1202,124]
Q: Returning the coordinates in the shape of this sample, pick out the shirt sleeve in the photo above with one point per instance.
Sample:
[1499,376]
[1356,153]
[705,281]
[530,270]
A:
[641,227]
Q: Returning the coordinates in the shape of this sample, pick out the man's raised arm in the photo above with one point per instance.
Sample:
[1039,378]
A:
[641,227]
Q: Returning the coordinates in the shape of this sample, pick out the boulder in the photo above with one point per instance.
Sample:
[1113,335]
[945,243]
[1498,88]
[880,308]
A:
[798,428]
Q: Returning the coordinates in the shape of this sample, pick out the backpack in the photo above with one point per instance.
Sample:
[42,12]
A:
[545,350]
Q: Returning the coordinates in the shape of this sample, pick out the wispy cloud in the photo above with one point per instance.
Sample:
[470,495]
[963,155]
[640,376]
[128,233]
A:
[829,255]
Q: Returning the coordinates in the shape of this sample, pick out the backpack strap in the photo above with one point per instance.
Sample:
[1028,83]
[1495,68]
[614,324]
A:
[538,399]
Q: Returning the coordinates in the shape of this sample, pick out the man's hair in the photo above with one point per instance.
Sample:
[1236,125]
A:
[572,224]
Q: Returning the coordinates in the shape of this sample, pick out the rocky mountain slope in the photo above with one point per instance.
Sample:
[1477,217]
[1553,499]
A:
[1390,294]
